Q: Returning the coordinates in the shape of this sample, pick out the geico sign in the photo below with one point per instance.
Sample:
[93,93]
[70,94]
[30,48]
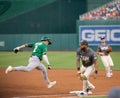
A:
[95,35]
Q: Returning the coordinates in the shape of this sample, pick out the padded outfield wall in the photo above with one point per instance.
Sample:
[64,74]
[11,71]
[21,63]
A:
[56,19]
[89,30]
[59,41]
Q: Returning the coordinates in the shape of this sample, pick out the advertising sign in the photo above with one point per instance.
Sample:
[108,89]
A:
[93,33]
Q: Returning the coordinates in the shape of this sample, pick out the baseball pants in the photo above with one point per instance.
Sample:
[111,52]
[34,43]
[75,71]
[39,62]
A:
[34,63]
[87,71]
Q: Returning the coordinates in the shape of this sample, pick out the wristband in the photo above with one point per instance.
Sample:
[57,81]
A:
[78,68]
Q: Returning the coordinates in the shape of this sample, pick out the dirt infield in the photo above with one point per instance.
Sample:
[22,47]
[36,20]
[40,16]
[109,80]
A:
[32,85]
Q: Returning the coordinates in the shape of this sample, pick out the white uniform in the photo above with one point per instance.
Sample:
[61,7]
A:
[106,59]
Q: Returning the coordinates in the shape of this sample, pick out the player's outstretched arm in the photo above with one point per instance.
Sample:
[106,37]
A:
[18,48]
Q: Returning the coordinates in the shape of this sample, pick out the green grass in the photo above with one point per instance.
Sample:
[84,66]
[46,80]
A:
[59,59]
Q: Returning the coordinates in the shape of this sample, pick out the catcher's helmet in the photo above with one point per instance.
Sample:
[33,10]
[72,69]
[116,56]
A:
[84,42]
[45,38]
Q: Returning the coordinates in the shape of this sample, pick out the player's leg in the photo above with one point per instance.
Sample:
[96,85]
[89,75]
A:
[45,75]
[88,72]
[106,65]
[110,64]
[32,65]
[82,70]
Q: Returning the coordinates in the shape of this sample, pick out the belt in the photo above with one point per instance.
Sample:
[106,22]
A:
[36,56]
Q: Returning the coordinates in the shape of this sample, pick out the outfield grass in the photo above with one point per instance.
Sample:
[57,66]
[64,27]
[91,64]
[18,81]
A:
[59,59]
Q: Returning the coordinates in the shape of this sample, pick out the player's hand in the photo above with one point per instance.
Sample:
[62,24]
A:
[16,49]
[49,67]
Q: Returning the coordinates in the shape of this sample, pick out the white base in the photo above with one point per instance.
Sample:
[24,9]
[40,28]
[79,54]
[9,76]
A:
[79,93]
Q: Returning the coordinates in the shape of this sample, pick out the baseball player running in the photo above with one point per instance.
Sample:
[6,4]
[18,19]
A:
[103,51]
[38,53]
[89,65]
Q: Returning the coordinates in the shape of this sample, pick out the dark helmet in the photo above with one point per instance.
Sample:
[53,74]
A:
[45,38]
[84,42]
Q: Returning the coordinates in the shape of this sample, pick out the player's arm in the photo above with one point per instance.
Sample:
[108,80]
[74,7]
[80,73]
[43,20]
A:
[21,46]
[96,66]
[78,62]
[99,51]
[45,59]
[78,59]
[95,61]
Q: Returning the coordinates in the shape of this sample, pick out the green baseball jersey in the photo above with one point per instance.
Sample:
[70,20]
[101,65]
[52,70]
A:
[39,49]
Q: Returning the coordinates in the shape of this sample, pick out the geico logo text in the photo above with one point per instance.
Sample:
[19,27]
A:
[94,35]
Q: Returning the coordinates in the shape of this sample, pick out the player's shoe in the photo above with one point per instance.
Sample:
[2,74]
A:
[108,74]
[111,73]
[10,68]
[89,89]
[51,84]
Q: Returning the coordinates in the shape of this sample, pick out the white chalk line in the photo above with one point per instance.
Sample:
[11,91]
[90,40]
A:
[100,94]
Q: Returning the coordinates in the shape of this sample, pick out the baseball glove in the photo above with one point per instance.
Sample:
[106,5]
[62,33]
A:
[81,76]
[109,49]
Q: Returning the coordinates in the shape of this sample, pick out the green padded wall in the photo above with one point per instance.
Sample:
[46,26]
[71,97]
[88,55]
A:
[59,41]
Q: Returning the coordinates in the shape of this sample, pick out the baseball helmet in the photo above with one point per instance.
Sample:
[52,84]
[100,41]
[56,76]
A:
[84,42]
[46,38]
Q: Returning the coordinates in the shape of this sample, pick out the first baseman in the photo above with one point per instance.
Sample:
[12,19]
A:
[105,57]
[38,53]
[89,65]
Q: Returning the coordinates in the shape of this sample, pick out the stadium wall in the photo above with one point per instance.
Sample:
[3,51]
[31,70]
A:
[92,30]
[59,41]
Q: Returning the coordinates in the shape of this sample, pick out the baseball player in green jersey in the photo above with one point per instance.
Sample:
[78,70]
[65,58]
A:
[38,54]
[89,65]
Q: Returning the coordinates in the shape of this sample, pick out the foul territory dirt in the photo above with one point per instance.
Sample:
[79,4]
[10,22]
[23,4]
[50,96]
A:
[32,85]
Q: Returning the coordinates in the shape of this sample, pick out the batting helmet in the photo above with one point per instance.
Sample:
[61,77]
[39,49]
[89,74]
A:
[45,38]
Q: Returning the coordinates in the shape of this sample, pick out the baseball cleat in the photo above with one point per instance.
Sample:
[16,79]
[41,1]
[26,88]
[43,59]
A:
[108,74]
[51,84]
[10,68]
[89,89]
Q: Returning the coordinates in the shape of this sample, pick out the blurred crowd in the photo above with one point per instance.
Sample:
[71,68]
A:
[108,11]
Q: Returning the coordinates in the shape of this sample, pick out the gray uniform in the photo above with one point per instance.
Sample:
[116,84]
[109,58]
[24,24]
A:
[87,67]
[103,49]
[88,57]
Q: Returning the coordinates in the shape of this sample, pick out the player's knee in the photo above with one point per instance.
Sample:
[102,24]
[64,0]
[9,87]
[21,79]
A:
[28,69]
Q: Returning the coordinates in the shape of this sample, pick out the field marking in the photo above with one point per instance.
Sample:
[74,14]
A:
[100,94]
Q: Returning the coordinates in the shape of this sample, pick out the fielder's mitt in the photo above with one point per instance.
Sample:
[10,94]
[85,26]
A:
[81,76]
[109,49]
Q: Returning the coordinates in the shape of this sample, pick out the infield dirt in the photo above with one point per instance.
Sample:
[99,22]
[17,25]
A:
[32,85]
